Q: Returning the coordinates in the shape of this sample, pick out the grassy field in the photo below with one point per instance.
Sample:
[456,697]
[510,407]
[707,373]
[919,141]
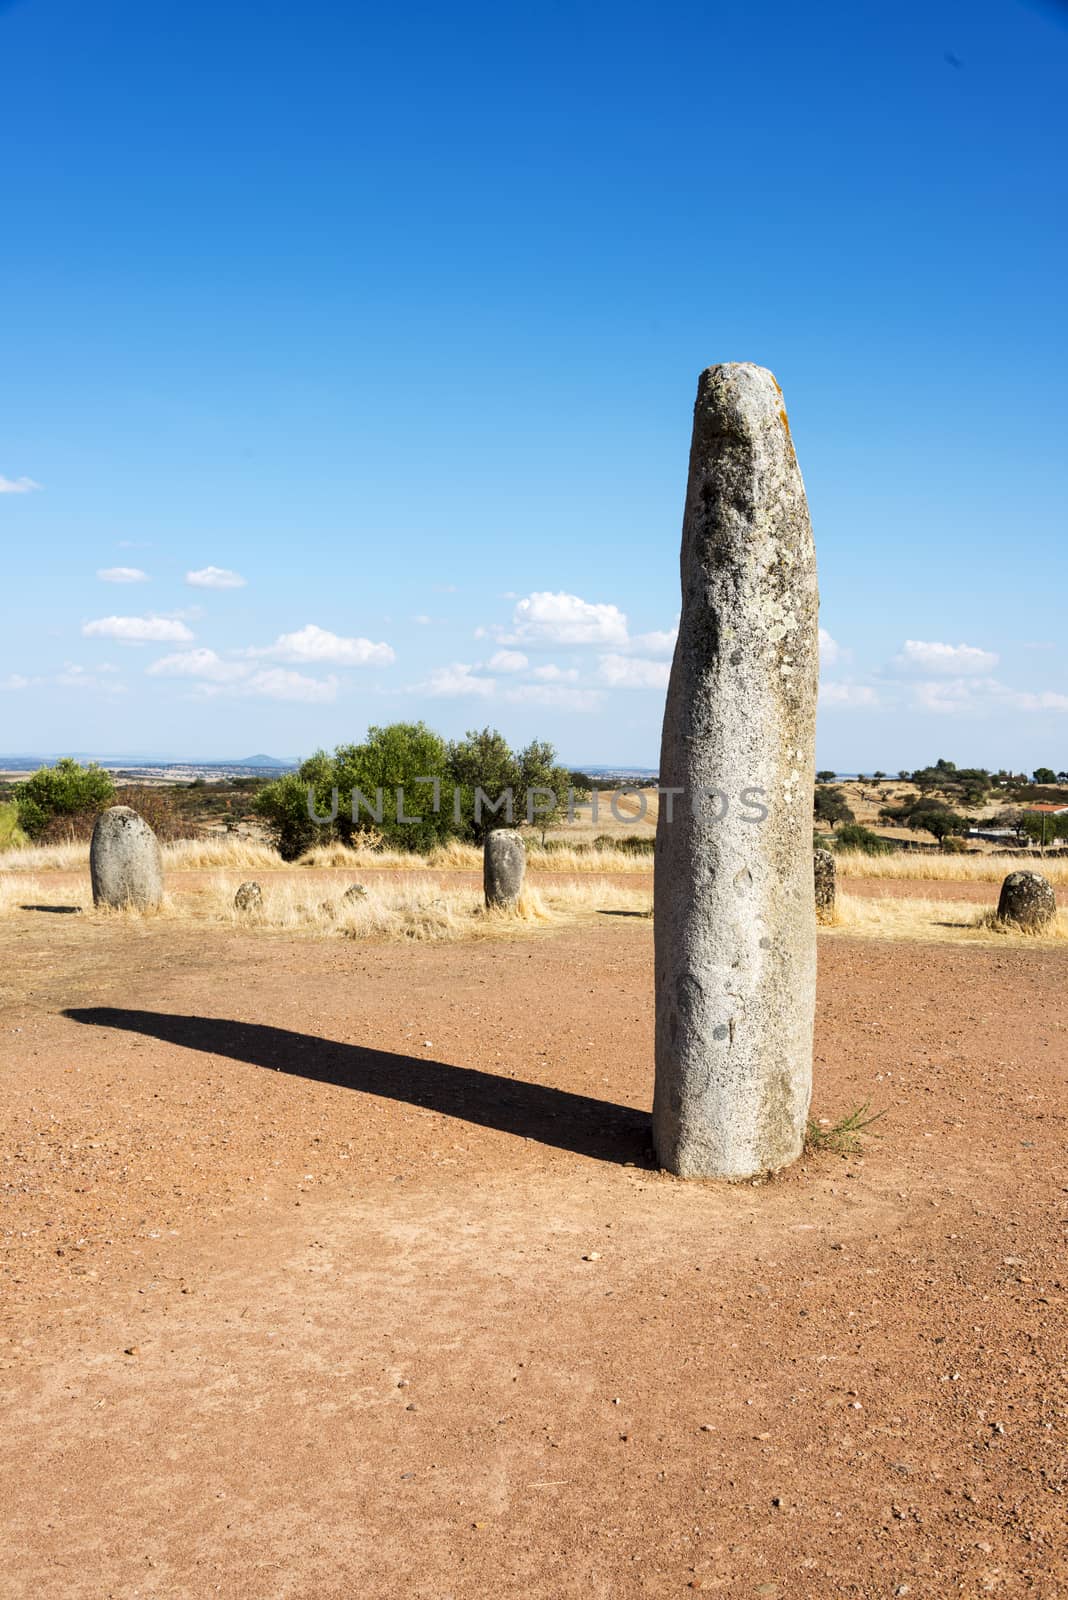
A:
[948,868]
[233,851]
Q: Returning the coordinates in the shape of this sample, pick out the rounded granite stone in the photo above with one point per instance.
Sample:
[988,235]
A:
[1027,901]
[124,861]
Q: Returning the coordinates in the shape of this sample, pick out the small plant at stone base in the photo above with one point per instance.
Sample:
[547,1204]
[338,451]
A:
[844,1137]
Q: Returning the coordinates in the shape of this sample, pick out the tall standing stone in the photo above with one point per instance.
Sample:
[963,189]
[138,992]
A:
[504,861]
[825,881]
[735,926]
[124,861]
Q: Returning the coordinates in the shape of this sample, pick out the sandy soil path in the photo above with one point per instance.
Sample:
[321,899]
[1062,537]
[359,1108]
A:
[338,1270]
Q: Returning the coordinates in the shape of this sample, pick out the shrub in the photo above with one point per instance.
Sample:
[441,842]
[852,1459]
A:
[158,808]
[283,806]
[410,756]
[854,836]
[68,795]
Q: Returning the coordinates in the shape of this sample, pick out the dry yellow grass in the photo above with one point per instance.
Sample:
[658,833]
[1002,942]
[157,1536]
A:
[46,858]
[426,909]
[637,817]
[458,857]
[418,909]
[247,854]
[218,852]
[945,921]
[242,854]
[17,890]
[415,909]
[182,853]
[948,868]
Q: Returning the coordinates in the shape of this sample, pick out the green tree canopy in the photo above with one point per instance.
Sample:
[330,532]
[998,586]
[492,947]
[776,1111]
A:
[65,790]
[830,806]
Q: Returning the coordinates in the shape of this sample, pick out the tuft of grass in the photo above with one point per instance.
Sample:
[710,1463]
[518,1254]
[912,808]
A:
[844,1137]
[990,922]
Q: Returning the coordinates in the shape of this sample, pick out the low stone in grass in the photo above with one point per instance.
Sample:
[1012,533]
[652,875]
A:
[354,892]
[824,873]
[1027,901]
[504,860]
[124,861]
[249,897]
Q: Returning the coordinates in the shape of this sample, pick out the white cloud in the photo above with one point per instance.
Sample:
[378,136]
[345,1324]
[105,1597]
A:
[138,630]
[830,649]
[17,485]
[955,660]
[546,618]
[121,575]
[554,674]
[509,661]
[848,696]
[632,672]
[458,679]
[976,696]
[199,663]
[15,680]
[313,644]
[661,642]
[215,578]
[76,677]
[276,683]
[554,694]
[422,621]
[214,676]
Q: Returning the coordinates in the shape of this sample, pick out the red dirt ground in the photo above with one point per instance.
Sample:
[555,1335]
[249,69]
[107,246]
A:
[338,1270]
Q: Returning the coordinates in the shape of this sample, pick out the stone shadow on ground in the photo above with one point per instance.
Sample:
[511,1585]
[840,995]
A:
[575,1122]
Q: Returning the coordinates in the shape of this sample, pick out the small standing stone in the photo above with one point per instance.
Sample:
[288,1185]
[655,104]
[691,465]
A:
[124,861]
[504,860]
[249,897]
[1027,901]
[824,871]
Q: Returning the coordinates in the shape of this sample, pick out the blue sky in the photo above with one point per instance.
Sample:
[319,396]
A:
[396,314]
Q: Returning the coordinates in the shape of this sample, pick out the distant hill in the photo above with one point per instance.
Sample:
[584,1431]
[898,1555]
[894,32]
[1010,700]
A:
[255,761]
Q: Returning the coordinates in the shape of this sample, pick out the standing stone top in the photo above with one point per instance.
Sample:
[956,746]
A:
[735,922]
[124,861]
